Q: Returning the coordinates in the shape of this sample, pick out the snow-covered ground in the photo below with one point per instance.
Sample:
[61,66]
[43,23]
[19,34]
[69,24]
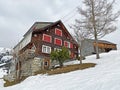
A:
[1,76]
[104,76]
[6,58]
[4,50]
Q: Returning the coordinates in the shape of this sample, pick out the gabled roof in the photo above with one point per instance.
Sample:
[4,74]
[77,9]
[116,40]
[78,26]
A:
[59,22]
[41,26]
[102,41]
[38,25]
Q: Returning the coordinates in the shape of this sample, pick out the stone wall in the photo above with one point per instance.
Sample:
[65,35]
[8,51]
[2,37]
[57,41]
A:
[29,67]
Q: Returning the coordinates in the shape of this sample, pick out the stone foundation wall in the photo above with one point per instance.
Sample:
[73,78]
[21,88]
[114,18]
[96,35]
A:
[30,66]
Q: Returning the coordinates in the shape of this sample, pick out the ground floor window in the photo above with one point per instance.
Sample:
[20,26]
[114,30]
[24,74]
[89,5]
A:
[58,49]
[46,63]
[46,49]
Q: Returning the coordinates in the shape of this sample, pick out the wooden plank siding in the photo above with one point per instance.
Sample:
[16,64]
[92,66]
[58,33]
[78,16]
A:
[33,49]
[37,39]
[51,32]
[104,45]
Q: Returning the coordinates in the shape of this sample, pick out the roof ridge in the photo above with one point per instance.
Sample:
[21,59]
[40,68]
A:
[44,22]
[104,41]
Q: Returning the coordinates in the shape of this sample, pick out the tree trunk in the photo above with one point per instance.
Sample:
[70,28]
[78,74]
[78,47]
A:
[95,31]
[96,47]
[60,63]
[81,53]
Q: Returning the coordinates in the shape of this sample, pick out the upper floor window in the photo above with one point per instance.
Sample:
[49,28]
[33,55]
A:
[58,32]
[58,41]
[47,38]
[46,49]
[71,45]
[67,44]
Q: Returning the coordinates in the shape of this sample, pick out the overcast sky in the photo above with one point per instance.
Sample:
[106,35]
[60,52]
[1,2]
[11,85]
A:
[17,16]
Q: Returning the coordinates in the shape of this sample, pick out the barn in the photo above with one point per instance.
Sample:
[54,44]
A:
[88,47]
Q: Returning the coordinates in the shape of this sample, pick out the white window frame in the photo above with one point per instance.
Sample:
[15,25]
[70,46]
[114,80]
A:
[59,30]
[57,49]
[45,49]
[47,35]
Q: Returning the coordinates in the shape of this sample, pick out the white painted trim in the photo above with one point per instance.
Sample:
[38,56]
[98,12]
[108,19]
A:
[59,49]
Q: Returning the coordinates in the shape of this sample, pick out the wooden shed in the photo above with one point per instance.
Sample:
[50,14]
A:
[103,46]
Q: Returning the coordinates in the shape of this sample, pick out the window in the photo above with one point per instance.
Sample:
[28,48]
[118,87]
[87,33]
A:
[47,38]
[58,49]
[67,44]
[46,49]
[46,63]
[72,55]
[58,41]
[58,32]
[71,45]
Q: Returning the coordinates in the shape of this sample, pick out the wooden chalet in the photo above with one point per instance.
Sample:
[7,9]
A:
[40,40]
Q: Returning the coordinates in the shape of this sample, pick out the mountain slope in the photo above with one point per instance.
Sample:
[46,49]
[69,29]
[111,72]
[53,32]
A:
[5,56]
[4,50]
[105,76]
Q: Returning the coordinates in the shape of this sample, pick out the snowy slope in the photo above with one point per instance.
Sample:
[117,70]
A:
[1,80]
[5,56]
[105,76]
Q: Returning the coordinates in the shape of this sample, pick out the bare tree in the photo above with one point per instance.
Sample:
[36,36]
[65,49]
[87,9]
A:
[97,18]
[80,34]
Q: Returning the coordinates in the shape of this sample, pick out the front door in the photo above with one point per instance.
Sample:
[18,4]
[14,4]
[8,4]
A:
[46,63]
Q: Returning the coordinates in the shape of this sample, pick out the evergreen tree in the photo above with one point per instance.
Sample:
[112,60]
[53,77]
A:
[60,55]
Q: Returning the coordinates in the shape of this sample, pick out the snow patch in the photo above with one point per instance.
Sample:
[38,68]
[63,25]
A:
[104,76]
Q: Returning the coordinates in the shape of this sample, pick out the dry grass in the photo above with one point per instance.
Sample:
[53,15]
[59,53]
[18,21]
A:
[7,83]
[67,68]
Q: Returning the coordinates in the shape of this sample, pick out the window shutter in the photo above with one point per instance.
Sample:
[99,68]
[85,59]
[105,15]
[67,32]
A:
[71,45]
[47,38]
[58,32]
[65,44]
[58,41]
